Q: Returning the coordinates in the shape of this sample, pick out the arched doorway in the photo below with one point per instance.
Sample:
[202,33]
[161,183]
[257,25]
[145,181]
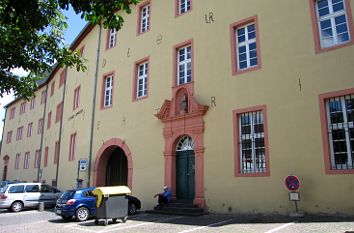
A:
[117,168]
[185,169]
[6,163]
[113,164]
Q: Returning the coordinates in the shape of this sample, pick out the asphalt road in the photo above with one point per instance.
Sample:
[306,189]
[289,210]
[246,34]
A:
[34,221]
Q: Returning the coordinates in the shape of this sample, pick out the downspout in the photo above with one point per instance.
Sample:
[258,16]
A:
[94,104]
[42,136]
[61,127]
[3,129]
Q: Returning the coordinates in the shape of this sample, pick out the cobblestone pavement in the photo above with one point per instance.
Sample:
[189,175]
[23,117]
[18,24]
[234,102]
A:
[46,221]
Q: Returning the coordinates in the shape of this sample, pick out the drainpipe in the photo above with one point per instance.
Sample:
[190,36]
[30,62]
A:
[94,104]
[3,129]
[61,127]
[42,136]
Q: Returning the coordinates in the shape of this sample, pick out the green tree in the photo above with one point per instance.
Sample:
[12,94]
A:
[31,37]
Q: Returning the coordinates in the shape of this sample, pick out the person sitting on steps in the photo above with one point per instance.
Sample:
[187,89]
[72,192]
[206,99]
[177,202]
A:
[164,197]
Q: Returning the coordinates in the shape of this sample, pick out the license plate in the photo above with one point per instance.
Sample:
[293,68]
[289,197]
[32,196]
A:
[58,211]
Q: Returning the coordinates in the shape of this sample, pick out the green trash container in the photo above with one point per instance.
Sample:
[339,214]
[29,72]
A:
[111,203]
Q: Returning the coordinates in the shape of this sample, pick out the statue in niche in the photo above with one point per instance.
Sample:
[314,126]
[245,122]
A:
[184,103]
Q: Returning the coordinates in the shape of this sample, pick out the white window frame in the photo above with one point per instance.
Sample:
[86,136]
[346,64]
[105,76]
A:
[185,63]
[73,140]
[33,102]
[9,137]
[145,18]
[26,160]
[246,43]
[23,108]
[37,158]
[346,126]
[12,113]
[252,165]
[108,91]
[112,38]
[19,133]
[332,16]
[29,129]
[142,79]
[184,6]
[17,161]
[77,97]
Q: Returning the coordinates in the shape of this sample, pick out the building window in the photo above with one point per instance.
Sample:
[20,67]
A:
[76,98]
[19,133]
[17,161]
[107,91]
[332,22]
[184,65]
[62,78]
[251,143]
[37,158]
[46,151]
[141,79]
[29,129]
[56,152]
[72,152]
[112,37]
[23,108]
[12,113]
[337,111]
[245,45]
[43,97]
[52,87]
[183,6]
[49,120]
[144,17]
[59,112]
[9,137]
[33,102]
[82,51]
[40,126]
[26,160]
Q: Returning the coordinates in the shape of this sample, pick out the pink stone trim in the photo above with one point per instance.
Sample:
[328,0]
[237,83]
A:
[177,8]
[238,172]
[102,158]
[315,28]
[140,7]
[135,79]
[235,70]
[325,140]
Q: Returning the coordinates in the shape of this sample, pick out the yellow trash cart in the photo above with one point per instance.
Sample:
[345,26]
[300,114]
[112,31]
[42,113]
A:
[111,203]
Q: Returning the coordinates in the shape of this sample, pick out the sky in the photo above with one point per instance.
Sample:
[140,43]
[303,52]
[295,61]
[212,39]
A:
[75,25]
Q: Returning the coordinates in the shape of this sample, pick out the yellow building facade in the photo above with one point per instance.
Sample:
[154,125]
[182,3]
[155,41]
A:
[220,100]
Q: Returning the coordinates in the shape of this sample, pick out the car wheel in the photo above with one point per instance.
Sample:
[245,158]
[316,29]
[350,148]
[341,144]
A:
[132,209]
[16,206]
[82,214]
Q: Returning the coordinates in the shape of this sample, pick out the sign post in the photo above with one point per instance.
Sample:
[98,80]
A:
[292,183]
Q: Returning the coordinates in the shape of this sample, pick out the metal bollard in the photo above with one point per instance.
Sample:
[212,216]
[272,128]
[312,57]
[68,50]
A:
[41,206]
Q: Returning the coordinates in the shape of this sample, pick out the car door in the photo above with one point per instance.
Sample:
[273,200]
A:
[32,195]
[48,195]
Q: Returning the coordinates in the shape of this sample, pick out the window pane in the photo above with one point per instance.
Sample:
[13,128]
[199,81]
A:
[343,38]
[243,65]
[322,4]
[253,62]
[338,7]
[325,24]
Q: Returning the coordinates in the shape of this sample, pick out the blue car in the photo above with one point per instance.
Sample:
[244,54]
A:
[81,204]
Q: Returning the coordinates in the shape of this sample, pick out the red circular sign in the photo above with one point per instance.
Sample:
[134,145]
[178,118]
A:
[292,183]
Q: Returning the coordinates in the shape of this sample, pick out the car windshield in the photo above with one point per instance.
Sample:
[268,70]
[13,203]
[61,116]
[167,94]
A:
[68,194]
